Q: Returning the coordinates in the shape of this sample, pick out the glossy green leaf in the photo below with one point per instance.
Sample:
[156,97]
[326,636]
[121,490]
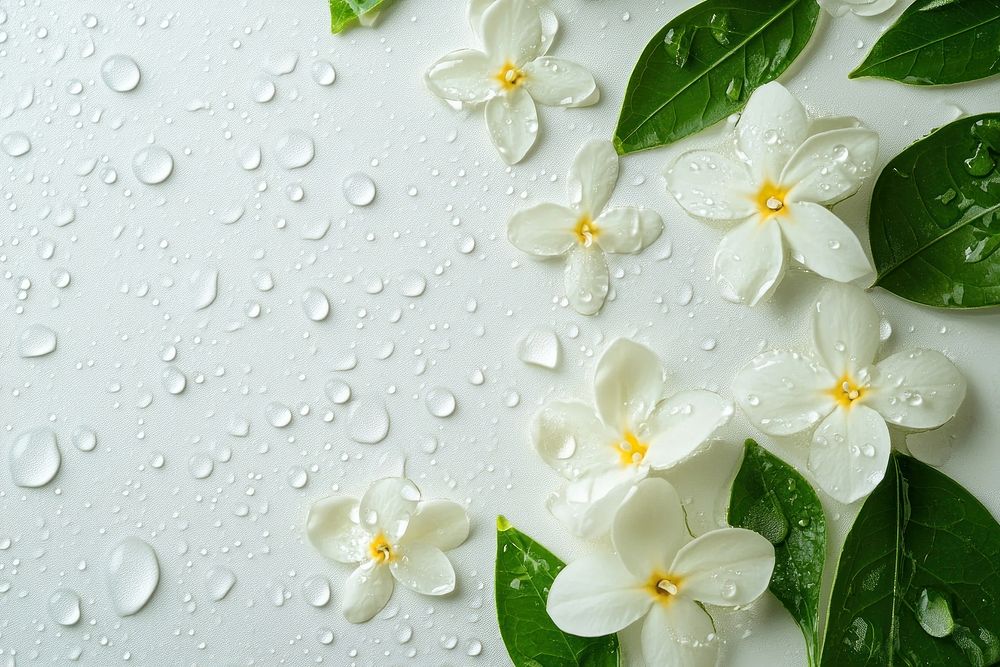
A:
[772,498]
[345,12]
[935,217]
[524,574]
[919,577]
[938,42]
[703,66]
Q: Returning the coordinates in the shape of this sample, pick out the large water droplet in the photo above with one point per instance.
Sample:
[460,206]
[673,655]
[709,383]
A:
[84,439]
[34,458]
[120,73]
[133,573]
[359,190]
[36,341]
[323,72]
[219,580]
[152,164]
[315,304]
[368,421]
[278,414]
[15,144]
[64,606]
[174,380]
[338,391]
[539,348]
[316,590]
[934,614]
[440,402]
[677,42]
[294,149]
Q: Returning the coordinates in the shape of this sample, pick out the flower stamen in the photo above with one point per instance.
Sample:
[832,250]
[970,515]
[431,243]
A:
[847,392]
[586,231]
[380,549]
[510,76]
[631,450]
[771,200]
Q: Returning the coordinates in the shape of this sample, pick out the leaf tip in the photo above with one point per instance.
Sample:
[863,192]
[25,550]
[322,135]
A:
[503,524]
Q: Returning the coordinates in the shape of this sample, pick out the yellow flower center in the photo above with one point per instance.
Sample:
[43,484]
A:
[586,231]
[631,450]
[663,587]
[510,77]
[847,392]
[380,549]
[770,200]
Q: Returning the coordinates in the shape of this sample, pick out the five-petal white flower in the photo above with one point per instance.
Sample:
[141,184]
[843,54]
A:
[778,191]
[658,574]
[584,230]
[633,430]
[849,395]
[511,74]
[858,7]
[393,535]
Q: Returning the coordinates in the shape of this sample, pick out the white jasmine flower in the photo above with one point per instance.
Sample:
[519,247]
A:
[777,193]
[859,7]
[510,74]
[851,397]
[602,452]
[392,534]
[658,575]
[584,230]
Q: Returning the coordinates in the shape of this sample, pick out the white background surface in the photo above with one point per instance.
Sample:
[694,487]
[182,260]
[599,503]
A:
[132,249]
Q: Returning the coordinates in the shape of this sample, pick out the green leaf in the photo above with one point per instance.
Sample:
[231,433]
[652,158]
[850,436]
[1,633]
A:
[771,498]
[703,66]
[937,42]
[524,574]
[919,577]
[935,217]
[345,12]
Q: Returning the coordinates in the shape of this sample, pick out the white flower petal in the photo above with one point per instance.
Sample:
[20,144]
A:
[475,13]
[918,389]
[366,592]
[628,229]
[595,596]
[512,31]
[512,122]
[550,22]
[440,523]
[333,529]
[858,7]
[592,177]
[388,505]
[682,424]
[712,187]
[570,437]
[728,567]
[463,76]
[850,452]
[750,261]
[560,83]
[829,123]
[679,634]
[628,383]
[830,167]
[423,568]
[586,279]
[773,125]
[822,242]
[649,528]
[587,506]
[845,330]
[544,230]
[784,392]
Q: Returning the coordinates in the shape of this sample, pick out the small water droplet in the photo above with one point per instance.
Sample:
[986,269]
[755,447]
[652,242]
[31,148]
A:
[323,72]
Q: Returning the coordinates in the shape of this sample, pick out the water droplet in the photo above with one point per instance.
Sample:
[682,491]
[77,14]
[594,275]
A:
[133,573]
[412,284]
[368,421]
[250,157]
[323,72]
[219,580]
[718,25]
[440,402]
[359,189]
[84,439]
[120,73]
[474,647]
[338,391]
[678,44]
[15,144]
[174,380]
[539,348]
[324,636]
[315,304]
[934,614]
[297,477]
[64,606]
[152,164]
[316,590]
[36,341]
[34,458]
[278,415]
[201,466]
[294,150]
[205,284]
[262,90]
